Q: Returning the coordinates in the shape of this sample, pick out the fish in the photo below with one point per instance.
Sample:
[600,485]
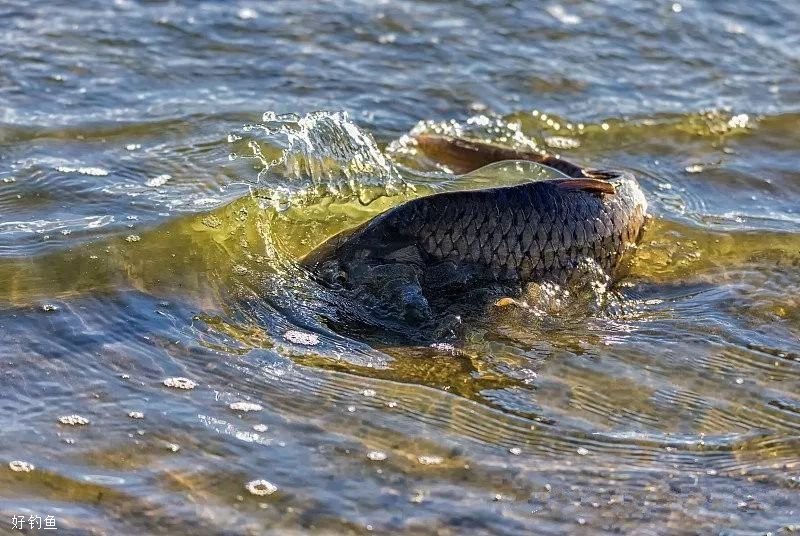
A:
[410,264]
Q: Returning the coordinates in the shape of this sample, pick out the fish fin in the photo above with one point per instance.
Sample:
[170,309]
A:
[463,155]
[505,301]
[407,255]
[593,186]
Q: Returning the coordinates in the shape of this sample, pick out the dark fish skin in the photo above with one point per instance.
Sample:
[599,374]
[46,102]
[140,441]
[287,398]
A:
[427,251]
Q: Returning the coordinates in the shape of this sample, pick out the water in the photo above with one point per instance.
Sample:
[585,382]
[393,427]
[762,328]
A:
[135,250]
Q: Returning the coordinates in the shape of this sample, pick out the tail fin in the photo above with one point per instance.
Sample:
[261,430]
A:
[463,156]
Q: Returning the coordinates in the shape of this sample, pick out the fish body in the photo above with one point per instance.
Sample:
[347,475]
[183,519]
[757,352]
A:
[411,261]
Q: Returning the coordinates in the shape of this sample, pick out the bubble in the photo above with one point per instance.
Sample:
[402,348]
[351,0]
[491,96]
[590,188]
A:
[19,466]
[261,487]
[158,180]
[136,415]
[247,13]
[582,451]
[377,455]
[430,460]
[73,420]
[49,307]
[368,392]
[260,428]
[240,270]
[93,171]
[133,238]
[516,451]
[180,383]
[301,337]
[246,406]
[694,168]
[560,14]
[212,221]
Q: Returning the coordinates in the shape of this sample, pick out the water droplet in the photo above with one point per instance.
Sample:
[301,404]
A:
[562,142]
[739,121]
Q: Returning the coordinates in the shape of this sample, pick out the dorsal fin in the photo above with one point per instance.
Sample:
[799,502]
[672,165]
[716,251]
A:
[593,186]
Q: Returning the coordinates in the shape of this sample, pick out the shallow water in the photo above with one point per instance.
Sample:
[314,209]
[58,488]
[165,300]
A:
[150,219]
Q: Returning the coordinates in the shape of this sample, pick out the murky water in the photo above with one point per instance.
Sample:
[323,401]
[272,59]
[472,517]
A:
[161,352]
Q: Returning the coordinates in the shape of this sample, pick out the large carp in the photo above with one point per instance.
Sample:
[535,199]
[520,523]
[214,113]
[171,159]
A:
[412,262]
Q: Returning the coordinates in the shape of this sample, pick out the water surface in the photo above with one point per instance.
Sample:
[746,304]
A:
[151,215]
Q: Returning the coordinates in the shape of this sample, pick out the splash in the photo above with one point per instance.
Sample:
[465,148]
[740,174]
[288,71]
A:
[551,306]
[320,155]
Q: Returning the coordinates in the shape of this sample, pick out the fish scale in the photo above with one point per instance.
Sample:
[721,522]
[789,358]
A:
[451,243]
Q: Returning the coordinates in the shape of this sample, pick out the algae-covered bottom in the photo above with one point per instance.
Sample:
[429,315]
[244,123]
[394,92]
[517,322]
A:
[167,366]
